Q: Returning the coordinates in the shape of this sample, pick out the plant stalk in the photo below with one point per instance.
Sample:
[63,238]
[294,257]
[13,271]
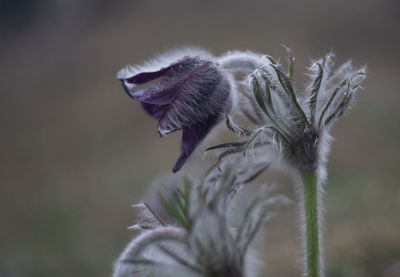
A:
[312,236]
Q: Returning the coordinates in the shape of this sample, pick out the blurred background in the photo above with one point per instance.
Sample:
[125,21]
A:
[76,152]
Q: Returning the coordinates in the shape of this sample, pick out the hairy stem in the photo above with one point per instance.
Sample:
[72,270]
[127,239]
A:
[312,228]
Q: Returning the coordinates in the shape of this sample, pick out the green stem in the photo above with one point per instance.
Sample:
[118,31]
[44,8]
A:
[313,253]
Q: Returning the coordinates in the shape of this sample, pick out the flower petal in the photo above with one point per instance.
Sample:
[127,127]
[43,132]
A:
[145,77]
[191,94]
[154,93]
[191,137]
[155,111]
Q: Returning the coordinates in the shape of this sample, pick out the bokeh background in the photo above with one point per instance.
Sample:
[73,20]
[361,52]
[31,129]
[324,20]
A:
[76,152]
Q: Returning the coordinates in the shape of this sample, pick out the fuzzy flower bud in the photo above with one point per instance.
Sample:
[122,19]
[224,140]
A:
[295,123]
[188,91]
[211,235]
[300,124]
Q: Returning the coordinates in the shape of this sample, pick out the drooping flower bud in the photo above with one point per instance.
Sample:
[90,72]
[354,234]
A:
[190,93]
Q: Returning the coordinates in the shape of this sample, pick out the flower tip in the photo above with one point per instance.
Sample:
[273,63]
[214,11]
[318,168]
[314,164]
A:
[179,163]
[127,87]
[135,227]
[124,73]
[162,131]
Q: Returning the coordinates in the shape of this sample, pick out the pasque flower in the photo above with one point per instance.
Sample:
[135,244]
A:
[188,90]
[295,126]
[299,124]
[300,127]
[210,237]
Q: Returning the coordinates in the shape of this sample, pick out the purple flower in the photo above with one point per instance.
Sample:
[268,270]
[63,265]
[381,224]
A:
[188,93]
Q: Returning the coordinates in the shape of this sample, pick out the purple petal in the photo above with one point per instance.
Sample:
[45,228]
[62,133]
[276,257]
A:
[191,95]
[155,111]
[145,77]
[152,94]
[190,139]
[175,79]
[197,105]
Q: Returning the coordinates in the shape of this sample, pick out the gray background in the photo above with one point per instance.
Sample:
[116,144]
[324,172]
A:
[76,152]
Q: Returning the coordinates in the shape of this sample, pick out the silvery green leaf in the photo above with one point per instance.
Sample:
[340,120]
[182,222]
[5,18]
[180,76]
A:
[290,62]
[287,86]
[253,173]
[236,128]
[230,151]
[314,89]
[138,245]
[226,145]
[255,215]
